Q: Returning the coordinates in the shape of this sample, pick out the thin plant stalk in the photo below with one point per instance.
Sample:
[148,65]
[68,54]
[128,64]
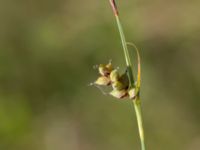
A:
[137,105]
[136,101]
[126,52]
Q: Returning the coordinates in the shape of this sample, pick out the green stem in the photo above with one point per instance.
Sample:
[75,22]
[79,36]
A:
[137,105]
[136,101]
[126,52]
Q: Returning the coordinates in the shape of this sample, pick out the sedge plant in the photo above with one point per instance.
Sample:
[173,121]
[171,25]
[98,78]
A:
[123,85]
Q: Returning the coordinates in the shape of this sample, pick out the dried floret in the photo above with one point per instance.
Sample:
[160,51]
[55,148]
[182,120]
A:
[102,81]
[119,93]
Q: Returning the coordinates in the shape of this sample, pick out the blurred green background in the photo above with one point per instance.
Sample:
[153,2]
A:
[47,52]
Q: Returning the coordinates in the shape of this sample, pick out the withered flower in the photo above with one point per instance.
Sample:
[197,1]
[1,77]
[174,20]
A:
[102,80]
[119,93]
[105,70]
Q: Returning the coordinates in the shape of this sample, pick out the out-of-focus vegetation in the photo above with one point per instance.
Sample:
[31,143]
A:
[47,50]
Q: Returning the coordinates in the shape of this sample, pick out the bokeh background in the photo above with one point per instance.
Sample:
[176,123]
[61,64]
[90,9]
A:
[47,52]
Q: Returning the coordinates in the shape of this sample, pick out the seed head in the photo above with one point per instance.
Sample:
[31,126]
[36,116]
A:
[102,80]
[114,75]
[132,93]
[117,85]
[118,93]
[105,70]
